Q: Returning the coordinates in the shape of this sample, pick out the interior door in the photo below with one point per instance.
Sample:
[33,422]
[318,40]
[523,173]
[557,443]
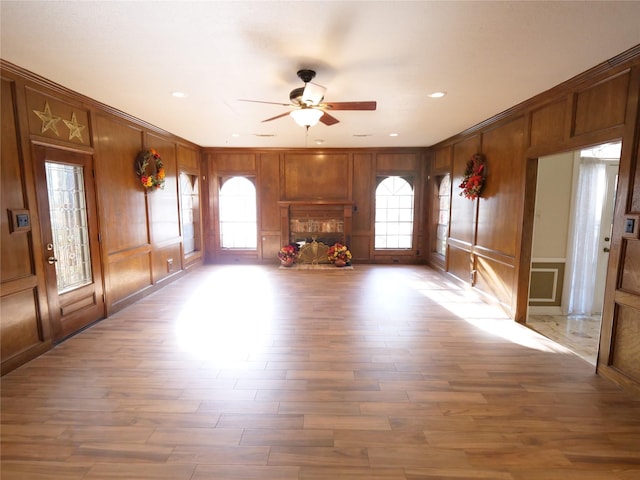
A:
[68,216]
[605,236]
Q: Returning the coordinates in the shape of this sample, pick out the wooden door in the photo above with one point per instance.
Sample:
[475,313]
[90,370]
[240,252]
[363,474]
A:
[67,208]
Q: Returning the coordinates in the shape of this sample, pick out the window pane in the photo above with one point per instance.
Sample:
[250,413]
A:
[238,224]
[394,214]
[68,211]
[189,209]
[444,196]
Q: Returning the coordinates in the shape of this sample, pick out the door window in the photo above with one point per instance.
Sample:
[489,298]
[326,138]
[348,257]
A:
[68,212]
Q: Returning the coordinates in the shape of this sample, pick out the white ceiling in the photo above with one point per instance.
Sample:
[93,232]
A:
[487,56]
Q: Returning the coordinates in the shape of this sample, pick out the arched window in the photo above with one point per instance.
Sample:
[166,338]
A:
[442,230]
[394,214]
[238,226]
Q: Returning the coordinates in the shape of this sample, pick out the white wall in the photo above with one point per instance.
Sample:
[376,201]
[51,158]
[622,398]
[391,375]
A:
[553,205]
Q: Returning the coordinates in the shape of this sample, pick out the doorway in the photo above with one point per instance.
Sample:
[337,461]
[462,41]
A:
[68,218]
[575,197]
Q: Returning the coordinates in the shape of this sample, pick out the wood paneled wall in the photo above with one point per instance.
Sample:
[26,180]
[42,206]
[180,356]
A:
[314,175]
[489,246]
[140,232]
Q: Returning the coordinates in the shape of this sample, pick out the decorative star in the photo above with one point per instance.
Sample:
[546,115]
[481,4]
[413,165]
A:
[75,129]
[49,122]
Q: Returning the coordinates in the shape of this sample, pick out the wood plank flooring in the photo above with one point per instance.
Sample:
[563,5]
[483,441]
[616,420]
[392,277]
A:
[261,373]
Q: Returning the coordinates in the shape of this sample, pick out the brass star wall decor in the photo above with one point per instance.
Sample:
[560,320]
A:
[75,129]
[49,121]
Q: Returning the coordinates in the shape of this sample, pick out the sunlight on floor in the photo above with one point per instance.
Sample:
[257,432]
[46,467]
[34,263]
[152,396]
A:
[240,321]
[516,333]
[489,318]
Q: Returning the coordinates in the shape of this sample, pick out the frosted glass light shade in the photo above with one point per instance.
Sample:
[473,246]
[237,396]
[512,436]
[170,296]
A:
[307,117]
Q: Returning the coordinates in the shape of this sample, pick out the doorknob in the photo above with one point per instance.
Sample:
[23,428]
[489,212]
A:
[606,249]
[52,260]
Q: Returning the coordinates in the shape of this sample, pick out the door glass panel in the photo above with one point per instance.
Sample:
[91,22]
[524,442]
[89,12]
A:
[68,212]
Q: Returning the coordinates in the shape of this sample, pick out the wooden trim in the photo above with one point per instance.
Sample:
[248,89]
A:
[575,84]
[87,101]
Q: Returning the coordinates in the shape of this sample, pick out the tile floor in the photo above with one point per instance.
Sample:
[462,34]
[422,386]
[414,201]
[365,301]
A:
[580,334]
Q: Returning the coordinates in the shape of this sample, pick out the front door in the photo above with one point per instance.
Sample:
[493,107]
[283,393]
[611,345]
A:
[68,216]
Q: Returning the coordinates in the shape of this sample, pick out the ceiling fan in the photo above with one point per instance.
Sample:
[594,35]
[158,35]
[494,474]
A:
[309,106]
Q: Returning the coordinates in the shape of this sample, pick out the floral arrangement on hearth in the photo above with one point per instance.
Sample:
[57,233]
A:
[339,254]
[155,178]
[473,178]
[288,254]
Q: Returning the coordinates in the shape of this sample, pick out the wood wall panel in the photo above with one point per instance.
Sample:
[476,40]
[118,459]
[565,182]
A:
[188,159]
[634,182]
[548,123]
[502,199]
[65,121]
[20,323]
[363,188]
[24,323]
[128,276]
[166,261]
[235,162]
[270,244]
[630,277]
[313,176]
[495,279]
[397,162]
[462,225]
[269,193]
[602,106]
[121,198]
[15,248]
[164,217]
[360,247]
[626,351]
[442,161]
[459,262]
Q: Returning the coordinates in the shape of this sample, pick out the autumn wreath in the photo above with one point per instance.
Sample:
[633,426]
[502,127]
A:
[473,178]
[155,178]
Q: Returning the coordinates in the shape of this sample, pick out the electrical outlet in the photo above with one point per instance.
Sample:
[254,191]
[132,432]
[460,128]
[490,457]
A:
[169,265]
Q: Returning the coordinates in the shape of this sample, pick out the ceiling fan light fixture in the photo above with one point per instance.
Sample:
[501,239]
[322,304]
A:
[307,117]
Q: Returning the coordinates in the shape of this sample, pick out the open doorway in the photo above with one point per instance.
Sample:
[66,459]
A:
[575,197]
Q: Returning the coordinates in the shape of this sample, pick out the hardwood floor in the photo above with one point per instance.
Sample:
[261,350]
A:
[374,373]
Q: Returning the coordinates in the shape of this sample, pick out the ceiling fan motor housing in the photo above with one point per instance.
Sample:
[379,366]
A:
[306,75]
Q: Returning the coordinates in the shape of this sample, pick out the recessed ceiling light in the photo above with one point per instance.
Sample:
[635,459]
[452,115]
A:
[236,135]
[319,141]
[393,134]
[437,94]
[179,94]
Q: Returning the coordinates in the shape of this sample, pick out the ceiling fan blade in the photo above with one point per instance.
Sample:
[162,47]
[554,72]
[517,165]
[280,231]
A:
[270,103]
[350,105]
[328,120]
[313,93]
[276,117]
